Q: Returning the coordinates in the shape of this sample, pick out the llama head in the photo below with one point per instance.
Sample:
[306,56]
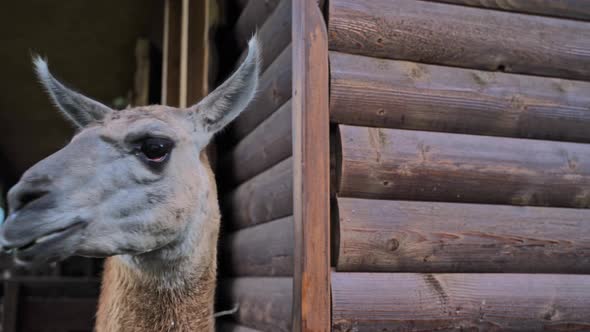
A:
[129,182]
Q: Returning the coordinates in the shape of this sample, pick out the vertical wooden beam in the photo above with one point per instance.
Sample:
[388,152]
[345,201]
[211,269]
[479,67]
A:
[311,289]
[194,51]
[171,56]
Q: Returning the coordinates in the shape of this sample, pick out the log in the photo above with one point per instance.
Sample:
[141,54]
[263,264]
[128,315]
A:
[251,19]
[392,236]
[576,9]
[264,303]
[467,302]
[263,250]
[428,166]
[226,326]
[266,197]
[461,36]
[275,90]
[264,147]
[274,35]
[398,94]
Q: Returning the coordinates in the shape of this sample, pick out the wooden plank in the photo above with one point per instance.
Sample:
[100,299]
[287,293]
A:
[54,287]
[391,236]
[10,306]
[428,166]
[242,4]
[274,35]
[469,302]
[275,90]
[311,169]
[251,19]
[264,147]
[263,250]
[576,9]
[141,77]
[266,197]
[264,303]
[171,53]
[58,314]
[398,94]
[461,36]
[226,326]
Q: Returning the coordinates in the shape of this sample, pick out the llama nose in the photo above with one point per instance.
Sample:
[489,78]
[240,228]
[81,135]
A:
[21,197]
[30,196]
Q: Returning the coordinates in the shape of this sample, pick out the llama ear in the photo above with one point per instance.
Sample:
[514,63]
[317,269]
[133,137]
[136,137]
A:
[79,109]
[224,104]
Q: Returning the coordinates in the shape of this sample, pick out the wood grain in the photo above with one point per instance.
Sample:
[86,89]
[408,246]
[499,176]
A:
[576,9]
[392,236]
[265,146]
[468,302]
[251,19]
[171,53]
[266,197]
[262,250]
[311,169]
[398,94]
[194,65]
[461,36]
[227,326]
[275,89]
[274,35]
[428,166]
[264,303]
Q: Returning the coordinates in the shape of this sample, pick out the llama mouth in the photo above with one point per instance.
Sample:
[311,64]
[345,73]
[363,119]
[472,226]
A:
[51,236]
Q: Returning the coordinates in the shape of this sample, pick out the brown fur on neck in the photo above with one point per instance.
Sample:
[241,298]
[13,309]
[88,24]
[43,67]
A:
[131,300]
[128,302]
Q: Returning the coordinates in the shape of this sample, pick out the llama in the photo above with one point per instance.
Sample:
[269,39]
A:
[134,186]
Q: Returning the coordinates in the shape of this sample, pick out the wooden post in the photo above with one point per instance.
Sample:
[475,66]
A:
[194,52]
[311,168]
[171,57]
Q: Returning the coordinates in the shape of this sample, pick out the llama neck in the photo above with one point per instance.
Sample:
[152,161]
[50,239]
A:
[169,289]
[129,302]
[162,290]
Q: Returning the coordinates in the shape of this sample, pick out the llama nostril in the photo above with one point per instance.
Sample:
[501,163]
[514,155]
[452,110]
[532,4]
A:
[28,197]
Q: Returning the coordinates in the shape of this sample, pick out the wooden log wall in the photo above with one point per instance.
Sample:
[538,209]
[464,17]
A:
[256,167]
[460,165]
[469,302]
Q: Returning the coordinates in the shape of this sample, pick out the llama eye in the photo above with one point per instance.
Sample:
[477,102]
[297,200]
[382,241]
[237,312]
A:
[156,149]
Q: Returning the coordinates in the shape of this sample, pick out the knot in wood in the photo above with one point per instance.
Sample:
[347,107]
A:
[392,244]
